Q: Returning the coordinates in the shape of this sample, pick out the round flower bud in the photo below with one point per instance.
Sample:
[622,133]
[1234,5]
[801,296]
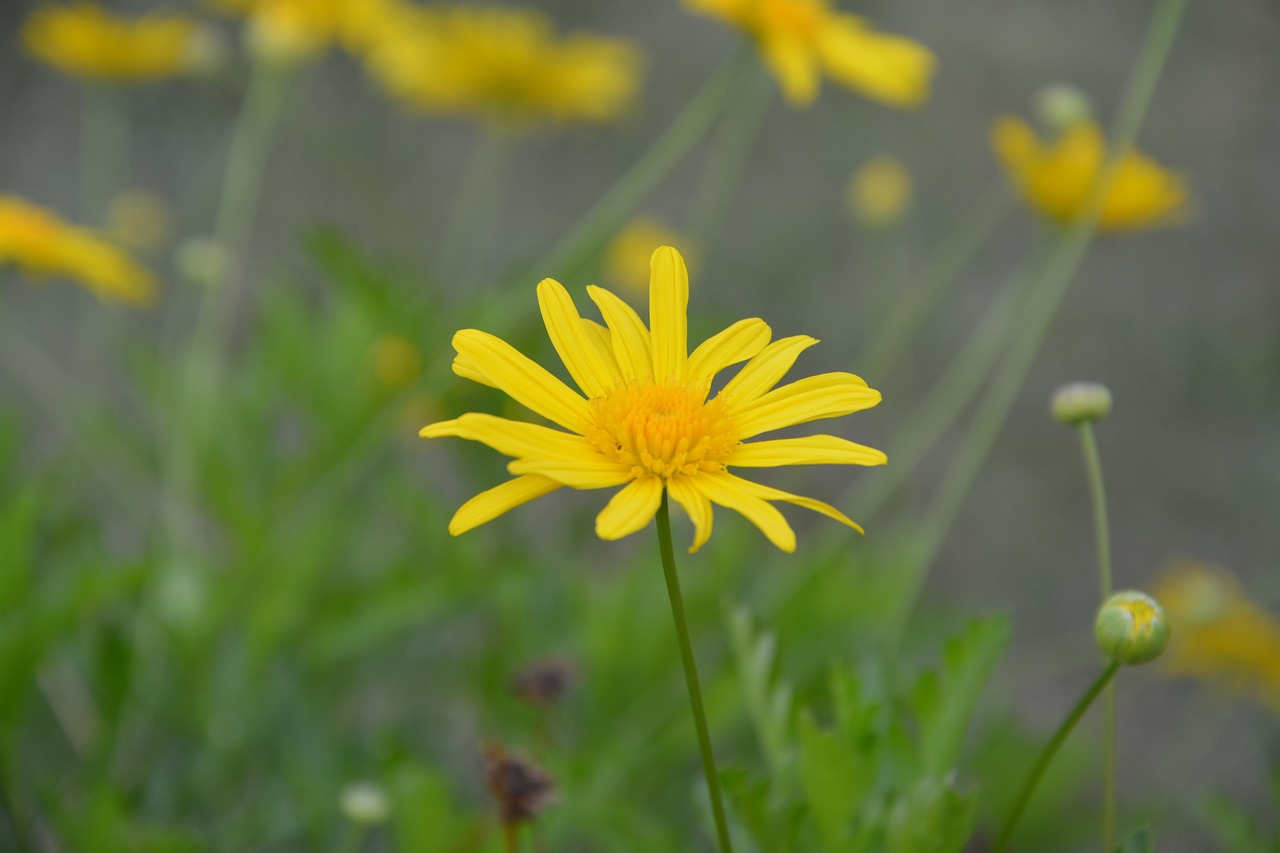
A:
[365,803]
[1059,106]
[1080,402]
[1132,628]
[202,261]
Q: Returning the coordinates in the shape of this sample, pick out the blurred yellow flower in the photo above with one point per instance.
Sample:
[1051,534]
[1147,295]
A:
[1057,179]
[644,421]
[41,244]
[298,30]
[802,39]
[82,40]
[397,363]
[1219,634]
[504,65]
[879,192]
[138,219]
[626,258]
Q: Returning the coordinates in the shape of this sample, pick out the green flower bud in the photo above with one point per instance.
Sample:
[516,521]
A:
[1079,402]
[1132,628]
[1060,105]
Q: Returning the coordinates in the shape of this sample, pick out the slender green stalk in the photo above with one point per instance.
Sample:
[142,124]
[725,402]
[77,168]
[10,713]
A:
[477,195]
[621,200]
[727,159]
[104,148]
[1050,750]
[894,333]
[691,673]
[1098,496]
[1064,260]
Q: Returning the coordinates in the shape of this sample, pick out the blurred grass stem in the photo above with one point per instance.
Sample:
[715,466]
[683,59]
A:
[663,519]
[1050,750]
[476,199]
[1098,498]
[1055,279]
[104,148]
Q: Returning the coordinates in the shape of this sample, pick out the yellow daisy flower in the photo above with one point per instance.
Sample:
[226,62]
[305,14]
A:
[644,419]
[1057,179]
[801,40]
[1219,634]
[506,65]
[297,30]
[43,245]
[82,40]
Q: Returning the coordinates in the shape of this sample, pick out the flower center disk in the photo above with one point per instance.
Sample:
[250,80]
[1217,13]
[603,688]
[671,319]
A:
[663,429]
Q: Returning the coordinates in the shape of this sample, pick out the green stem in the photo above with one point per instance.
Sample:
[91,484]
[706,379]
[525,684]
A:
[1059,271]
[104,149]
[1050,750]
[900,326]
[691,673]
[476,197]
[1098,496]
[613,208]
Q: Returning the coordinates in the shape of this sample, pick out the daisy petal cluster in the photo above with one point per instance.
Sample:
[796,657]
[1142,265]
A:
[83,40]
[41,244]
[299,30]
[1057,178]
[1219,634]
[801,40]
[643,418]
[503,64]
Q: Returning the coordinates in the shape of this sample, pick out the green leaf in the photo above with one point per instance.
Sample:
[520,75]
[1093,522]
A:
[835,775]
[1142,841]
[768,703]
[944,701]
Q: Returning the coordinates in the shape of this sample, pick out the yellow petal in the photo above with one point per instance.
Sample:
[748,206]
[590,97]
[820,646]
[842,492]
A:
[726,490]
[810,450]
[768,493]
[1143,195]
[631,344]
[572,341]
[467,369]
[490,504]
[522,379]
[762,372]
[581,473]
[602,340]
[515,438]
[795,66]
[741,341]
[827,395]
[697,506]
[668,313]
[630,509]
[891,68]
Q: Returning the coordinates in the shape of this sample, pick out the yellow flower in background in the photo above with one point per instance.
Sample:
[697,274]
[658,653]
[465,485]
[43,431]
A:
[643,419]
[138,219]
[626,258]
[41,244]
[397,362]
[1057,179]
[505,65]
[299,30]
[879,193]
[801,40]
[1219,634]
[83,40]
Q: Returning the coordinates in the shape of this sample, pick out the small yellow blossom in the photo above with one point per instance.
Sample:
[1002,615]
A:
[879,192]
[41,244]
[504,65]
[82,40]
[645,420]
[397,363]
[298,30]
[138,219]
[1058,179]
[626,258]
[801,40]
[1219,634]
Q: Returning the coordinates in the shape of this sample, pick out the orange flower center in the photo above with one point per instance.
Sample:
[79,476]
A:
[663,429]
